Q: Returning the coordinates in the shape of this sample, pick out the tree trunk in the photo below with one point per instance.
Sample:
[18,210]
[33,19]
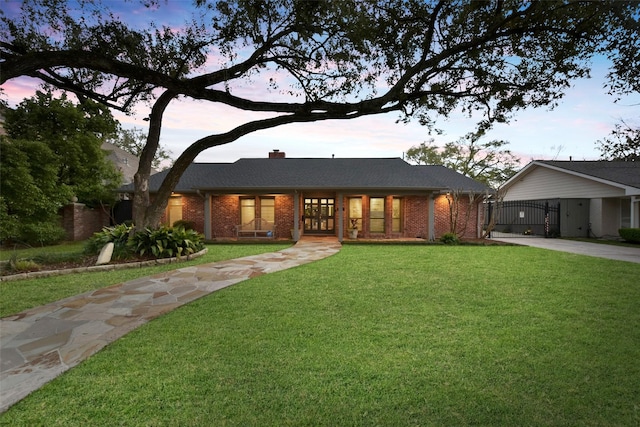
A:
[143,215]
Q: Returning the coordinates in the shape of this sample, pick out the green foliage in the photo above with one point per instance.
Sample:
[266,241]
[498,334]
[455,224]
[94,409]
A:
[118,234]
[69,138]
[41,233]
[487,162]
[630,234]
[183,223]
[52,152]
[16,265]
[450,239]
[165,242]
[31,193]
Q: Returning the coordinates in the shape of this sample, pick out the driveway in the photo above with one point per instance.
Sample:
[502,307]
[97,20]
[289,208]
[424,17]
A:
[600,250]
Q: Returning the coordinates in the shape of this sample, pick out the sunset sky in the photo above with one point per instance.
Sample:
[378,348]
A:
[585,115]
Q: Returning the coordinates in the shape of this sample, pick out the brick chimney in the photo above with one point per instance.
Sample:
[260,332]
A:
[276,154]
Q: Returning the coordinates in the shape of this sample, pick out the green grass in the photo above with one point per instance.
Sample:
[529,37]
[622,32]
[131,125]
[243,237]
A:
[20,295]
[31,252]
[377,336]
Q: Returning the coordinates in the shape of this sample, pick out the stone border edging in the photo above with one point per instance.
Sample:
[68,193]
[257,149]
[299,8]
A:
[106,267]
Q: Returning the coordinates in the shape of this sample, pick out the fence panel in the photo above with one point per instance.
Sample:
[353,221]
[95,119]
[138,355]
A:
[523,218]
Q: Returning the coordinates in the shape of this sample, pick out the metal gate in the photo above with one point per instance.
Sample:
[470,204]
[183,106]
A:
[523,218]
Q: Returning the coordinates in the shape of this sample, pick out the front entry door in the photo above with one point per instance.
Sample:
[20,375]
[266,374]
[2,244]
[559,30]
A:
[319,215]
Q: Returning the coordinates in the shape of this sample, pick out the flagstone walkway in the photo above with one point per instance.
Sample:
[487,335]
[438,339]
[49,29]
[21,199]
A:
[39,344]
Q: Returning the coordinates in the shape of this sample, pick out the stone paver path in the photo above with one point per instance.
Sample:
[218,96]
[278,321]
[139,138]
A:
[39,344]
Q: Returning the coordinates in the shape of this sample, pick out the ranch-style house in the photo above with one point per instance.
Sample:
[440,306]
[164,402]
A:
[283,198]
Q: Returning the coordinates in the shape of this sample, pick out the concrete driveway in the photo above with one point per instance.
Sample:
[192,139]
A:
[600,250]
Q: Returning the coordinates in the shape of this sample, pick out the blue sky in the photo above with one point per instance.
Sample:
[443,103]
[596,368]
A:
[585,115]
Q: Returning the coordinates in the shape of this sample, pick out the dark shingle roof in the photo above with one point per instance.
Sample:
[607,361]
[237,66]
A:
[625,173]
[285,174]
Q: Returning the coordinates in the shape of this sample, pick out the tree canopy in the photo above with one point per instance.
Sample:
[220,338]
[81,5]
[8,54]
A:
[622,144]
[74,134]
[488,162]
[321,60]
[50,154]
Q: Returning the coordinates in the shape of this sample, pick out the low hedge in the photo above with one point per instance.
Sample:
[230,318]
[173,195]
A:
[630,234]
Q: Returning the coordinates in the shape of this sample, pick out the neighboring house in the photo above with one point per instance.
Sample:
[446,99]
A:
[595,198]
[385,198]
[124,161]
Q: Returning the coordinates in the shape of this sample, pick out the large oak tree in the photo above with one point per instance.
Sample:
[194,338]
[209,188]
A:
[325,60]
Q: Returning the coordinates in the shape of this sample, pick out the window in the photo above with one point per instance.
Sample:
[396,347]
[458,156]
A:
[355,213]
[376,214]
[247,210]
[268,209]
[175,209]
[396,224]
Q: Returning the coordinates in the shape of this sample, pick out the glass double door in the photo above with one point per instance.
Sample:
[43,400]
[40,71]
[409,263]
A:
[319,215]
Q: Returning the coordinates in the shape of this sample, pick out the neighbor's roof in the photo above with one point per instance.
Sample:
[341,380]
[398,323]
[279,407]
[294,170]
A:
[285,174]
[617,173]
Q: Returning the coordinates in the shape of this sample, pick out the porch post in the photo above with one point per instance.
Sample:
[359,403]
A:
[340,217]
[432,217]
[633,221]
[296,216]
[207,216]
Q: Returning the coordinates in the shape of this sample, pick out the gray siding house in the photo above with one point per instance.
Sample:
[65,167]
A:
[596,197]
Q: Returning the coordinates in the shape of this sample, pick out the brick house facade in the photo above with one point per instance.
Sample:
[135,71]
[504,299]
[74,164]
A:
[386,198]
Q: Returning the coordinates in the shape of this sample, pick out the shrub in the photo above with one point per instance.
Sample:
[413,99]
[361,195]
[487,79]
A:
[41,233]
[183,223]
[18,265]
[118,234]
[450,239]
[630,234]
[166,242]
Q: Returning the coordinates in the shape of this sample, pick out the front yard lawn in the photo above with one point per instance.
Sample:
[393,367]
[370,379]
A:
[377,335]
[23,294]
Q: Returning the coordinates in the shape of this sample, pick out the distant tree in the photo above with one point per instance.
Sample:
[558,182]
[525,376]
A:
[31,195]
[74,134]
[488,162]
[133,141]
[622,144]
[328,60]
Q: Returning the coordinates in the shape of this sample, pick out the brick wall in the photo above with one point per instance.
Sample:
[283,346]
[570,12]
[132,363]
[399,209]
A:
[468,219]
[416,217]
[225,215]
[193,210]
[80,222]
[284,216]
